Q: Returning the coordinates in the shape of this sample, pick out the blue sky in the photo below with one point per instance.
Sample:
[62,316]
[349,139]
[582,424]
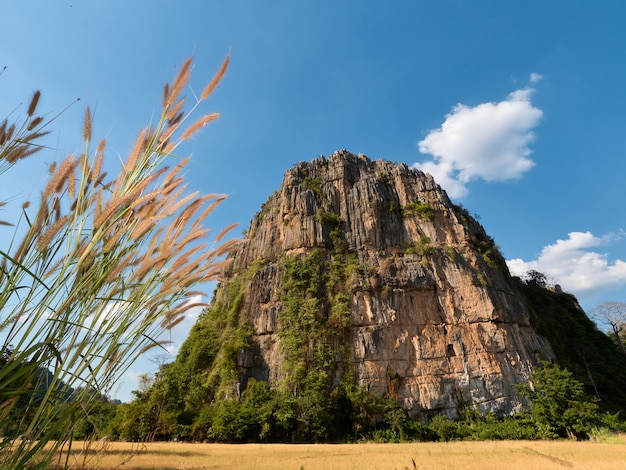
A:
[517,107]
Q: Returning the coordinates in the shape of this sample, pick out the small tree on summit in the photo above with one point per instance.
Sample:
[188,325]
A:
[614,314]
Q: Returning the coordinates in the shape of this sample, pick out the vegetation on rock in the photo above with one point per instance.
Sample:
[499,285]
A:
[578,345]
[418,209]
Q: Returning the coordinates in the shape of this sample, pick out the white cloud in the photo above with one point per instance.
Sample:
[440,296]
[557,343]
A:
[535,77]
[489,141]
[575,266]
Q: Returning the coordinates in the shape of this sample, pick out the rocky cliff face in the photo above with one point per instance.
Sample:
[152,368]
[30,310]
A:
[410,296]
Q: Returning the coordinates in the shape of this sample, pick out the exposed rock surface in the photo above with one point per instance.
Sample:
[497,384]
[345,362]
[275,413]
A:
[435,319]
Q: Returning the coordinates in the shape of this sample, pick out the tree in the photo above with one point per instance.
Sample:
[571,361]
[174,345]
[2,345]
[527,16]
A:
[559,404]
[613,314]
[537,278]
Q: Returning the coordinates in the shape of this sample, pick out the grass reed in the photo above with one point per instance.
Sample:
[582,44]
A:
[104,267]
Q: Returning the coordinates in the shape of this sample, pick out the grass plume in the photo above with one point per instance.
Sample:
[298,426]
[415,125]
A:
[216,80]
[33,103]
[104,267]
[199,124]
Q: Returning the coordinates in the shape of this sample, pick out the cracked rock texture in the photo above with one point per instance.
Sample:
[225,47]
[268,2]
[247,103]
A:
[435,320]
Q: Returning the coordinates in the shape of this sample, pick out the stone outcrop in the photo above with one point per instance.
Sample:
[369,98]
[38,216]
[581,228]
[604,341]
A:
[435,320]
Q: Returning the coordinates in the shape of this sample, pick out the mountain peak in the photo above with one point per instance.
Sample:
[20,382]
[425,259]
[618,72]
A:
[402,291]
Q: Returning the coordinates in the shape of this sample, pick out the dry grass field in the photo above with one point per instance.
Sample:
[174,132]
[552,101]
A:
[609,454]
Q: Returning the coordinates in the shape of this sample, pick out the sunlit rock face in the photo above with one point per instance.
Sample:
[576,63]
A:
[435,319]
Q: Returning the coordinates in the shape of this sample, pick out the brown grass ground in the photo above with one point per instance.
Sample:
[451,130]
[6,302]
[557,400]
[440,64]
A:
[531,455]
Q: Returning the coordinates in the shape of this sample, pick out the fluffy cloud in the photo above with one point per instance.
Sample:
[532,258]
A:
[572,264]
[489,141]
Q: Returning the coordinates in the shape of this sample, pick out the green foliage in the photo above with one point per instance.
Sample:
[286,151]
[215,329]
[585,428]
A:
[186,395]
[397,426]
[383,177]
[445,428]
[264,210]
[337,241]
[309,405]
[463,215]
[451,252]
[316,313]
[578,345]
[474,426]
[96,425]
[490,252]
[423,247]
[229,422]
[327,218]
[340,312]
[422,210]
[315,185]
[559,404]
[202,402]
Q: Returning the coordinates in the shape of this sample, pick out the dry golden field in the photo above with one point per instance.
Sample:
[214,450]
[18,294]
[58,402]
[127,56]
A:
[528,455]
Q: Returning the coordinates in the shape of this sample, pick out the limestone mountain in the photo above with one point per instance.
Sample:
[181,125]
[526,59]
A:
[365,271]
[361,298]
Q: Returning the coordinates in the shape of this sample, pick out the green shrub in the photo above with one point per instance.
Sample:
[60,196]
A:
[490,252]
[315,185]
[422,210]
[382,177]
[451,252]
[559,404]
[422,248]
[444,428]
[326,217]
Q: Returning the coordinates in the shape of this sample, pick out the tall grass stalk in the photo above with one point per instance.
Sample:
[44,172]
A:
[101,268]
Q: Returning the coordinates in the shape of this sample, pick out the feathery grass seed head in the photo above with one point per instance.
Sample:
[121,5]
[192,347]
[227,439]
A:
[111,208]
[138,149]
[87,126]
[33,103]
[216,80]
[203,121]
[97,166]
[180,81]
[174,110]
[71,184]
[34,123]
[3,129]
[59,176]
[166,95]
[44,240]
[7,134]
[142,228]
[225,231]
